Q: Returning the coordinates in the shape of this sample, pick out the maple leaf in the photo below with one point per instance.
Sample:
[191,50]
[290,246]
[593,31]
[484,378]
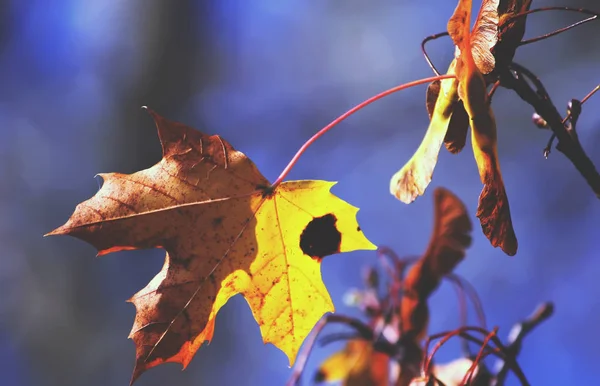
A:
[357,364]
[473,58]
[226,231]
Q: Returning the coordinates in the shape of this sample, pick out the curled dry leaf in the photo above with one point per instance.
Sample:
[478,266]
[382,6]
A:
[493,210]
[456,135]
[450,238]
[485,36]
[357,364]
[226,231]
[451,234]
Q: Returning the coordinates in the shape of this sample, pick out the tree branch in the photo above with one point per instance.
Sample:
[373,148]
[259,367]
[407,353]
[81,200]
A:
[516,336]
[568,141]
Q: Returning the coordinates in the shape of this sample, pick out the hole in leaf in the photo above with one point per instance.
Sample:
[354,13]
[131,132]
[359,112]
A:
[321,237]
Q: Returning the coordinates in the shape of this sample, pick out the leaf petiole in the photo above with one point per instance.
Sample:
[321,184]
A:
[339,119]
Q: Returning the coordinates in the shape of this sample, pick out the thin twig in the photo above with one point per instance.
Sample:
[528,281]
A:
[479,357]
[509,360]
[445,337]
[593,16]
[427,58]
[516,336]
[477,304]
[463,312]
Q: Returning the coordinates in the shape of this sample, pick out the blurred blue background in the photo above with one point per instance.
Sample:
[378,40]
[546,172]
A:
[266,75]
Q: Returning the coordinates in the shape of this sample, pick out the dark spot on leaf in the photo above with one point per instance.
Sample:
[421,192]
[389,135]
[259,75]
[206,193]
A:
[358,229]
[267,191]
[321,237]
[217,221]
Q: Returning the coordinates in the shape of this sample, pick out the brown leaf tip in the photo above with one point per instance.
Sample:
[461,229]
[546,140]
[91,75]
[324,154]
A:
[321,237]
[169,132]
[406,185]
[494,215]
[184,142]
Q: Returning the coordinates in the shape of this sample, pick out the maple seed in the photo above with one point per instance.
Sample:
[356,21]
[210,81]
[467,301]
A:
[321,237]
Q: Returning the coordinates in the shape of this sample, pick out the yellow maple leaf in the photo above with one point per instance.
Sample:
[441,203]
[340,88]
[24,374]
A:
[226,231]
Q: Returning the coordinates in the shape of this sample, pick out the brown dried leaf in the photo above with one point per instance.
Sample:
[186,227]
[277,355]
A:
[449,240]
[494,214]
[456,136]
[510,31]
[433,90]
[493,210]
[451,233]
[458,25]
[485,35]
